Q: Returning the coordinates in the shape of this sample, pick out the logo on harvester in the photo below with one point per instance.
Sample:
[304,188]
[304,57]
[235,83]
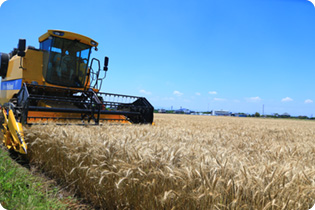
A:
[312,1]
[1,2]
[11,85]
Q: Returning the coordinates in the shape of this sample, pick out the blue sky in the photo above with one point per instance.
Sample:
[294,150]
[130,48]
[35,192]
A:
[198,54]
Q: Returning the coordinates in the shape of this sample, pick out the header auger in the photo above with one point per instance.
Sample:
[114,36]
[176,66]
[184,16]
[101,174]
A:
[57,83]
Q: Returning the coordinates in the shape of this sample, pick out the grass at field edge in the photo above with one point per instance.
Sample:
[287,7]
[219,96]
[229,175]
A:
[21,189]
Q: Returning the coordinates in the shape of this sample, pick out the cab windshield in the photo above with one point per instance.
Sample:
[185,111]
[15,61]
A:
[65,61]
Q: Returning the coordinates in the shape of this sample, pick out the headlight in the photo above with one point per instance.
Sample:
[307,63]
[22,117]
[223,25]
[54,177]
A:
[58,33]
[93,43]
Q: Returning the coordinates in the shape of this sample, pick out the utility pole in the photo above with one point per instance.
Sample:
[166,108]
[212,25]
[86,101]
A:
[263,110]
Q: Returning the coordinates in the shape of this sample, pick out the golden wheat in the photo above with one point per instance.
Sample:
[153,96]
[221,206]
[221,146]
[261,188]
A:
[183,162]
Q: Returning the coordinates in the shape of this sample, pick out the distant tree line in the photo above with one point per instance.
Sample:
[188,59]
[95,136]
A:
[257,114]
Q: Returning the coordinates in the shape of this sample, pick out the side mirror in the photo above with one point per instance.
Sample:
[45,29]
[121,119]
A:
[106,63]
[21,47]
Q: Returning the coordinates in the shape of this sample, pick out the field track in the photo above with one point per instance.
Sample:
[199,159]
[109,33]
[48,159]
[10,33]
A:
[183,162]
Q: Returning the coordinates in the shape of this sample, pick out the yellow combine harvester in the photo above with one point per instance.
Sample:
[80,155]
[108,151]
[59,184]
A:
[57,83]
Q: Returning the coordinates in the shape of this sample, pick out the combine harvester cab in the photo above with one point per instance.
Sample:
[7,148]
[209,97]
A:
[57,83]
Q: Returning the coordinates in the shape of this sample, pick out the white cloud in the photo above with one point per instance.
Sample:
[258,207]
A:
[308,101]
[213,92]
[1,2]
[198,94]
[219,99]
[177,93]
[253,99]
[287,99]
[145,92]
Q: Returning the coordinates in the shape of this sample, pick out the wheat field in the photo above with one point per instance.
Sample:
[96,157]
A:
[183,162]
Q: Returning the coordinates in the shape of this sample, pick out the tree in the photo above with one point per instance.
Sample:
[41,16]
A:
[257,114]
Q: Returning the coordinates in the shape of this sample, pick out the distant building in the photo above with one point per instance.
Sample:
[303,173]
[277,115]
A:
[221,113]
[196,113]
[239,115]
[182,111]
[162,111]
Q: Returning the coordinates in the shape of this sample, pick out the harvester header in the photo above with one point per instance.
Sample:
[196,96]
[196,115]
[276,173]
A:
[57,82]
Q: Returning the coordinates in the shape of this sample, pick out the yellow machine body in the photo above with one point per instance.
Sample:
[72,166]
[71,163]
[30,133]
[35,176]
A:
[20,70]
[56,82]
[29,69]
